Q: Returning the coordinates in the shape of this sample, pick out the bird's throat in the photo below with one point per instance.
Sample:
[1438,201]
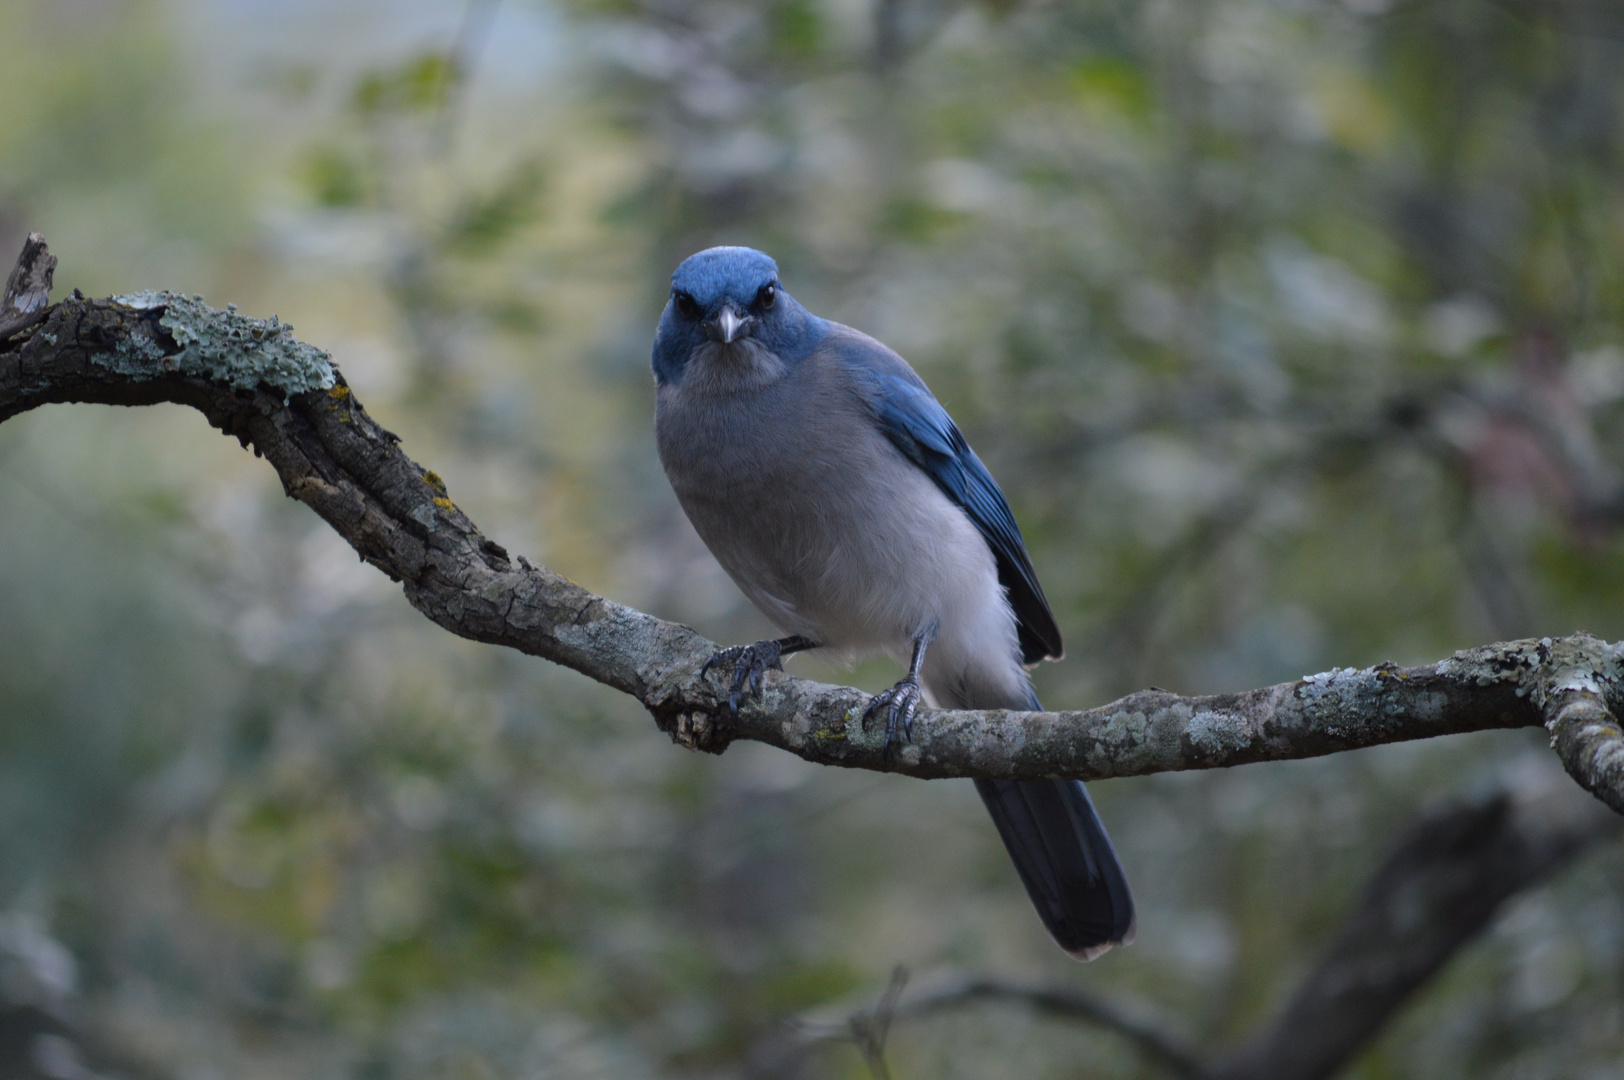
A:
[745,364]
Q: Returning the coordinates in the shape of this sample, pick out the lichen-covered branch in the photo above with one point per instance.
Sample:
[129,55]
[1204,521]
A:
[1583,677]
[255,381]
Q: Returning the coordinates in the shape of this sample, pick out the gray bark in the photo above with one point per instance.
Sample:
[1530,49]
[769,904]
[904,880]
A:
[28,287]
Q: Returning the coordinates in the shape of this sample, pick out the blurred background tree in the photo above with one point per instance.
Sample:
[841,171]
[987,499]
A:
[1292,329]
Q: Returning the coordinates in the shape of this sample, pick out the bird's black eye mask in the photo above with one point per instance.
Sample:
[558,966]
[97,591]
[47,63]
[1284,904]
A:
[766,297]
[687,306]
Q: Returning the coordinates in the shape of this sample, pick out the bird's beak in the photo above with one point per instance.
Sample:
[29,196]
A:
[731,324]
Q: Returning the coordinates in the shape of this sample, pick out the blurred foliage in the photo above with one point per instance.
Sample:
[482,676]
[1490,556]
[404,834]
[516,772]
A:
[1293,330]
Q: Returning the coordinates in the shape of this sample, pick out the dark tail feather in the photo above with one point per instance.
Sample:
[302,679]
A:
[1065,861]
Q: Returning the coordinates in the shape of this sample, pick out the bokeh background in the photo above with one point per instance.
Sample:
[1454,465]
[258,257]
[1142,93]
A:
[1292,329]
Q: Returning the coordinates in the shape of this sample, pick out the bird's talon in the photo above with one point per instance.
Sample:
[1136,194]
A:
[750,664]
[899,704]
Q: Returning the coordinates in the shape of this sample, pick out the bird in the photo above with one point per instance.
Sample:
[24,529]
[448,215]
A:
[840,497]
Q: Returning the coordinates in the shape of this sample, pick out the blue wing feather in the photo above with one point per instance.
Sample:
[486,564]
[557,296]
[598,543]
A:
[916,423]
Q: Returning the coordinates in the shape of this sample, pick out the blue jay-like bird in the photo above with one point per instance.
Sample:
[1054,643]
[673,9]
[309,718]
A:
[839,495]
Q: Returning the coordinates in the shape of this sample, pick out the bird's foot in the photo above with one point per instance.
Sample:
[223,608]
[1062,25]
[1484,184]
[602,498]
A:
[899,704]
[750,663]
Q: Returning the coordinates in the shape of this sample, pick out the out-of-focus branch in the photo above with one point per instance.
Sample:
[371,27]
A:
[1436,892]
[779,1054]
[253,380]
[1151,1036]
[1064,1002]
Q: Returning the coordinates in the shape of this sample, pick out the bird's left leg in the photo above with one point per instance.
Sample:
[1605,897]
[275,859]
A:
[750,663]
[901,700]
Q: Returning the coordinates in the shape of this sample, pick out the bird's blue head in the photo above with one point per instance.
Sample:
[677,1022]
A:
[725,303]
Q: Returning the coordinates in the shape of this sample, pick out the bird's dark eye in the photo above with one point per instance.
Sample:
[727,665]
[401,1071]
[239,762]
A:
[686,307]
[767,296]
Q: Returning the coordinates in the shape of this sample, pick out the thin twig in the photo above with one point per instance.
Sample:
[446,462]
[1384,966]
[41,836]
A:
[867,1025]
[871,1028]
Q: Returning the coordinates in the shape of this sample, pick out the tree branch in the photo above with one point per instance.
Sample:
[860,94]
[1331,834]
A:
[252,379]
[779,1054]
[1435,893]
[1584,731]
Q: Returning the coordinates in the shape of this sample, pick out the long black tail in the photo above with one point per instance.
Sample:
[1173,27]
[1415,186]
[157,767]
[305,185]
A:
[1065,861]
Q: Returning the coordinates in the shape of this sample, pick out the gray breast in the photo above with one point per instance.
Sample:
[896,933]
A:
[814,513]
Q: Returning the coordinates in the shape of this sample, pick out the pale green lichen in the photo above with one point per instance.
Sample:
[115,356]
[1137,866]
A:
[223,346]
[1126,736]
[1511,662]
[1216,733]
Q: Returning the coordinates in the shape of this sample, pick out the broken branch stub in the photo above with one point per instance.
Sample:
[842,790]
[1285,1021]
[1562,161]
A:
[28,287]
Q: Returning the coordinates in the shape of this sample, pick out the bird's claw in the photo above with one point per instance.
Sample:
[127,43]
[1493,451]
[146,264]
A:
[750,663]
[899,703]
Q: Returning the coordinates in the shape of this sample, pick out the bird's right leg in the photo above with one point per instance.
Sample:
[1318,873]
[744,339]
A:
[750,663]
[899,703]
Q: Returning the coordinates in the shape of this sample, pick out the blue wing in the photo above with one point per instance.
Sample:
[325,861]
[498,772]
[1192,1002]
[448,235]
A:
[918,425]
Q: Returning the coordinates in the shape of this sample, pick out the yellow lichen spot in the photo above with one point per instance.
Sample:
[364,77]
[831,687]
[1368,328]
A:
[339,393]
[432,479]
[445,504]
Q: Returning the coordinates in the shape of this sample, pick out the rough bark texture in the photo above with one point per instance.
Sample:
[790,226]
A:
[253,380]
[28,287]
[1582,678]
